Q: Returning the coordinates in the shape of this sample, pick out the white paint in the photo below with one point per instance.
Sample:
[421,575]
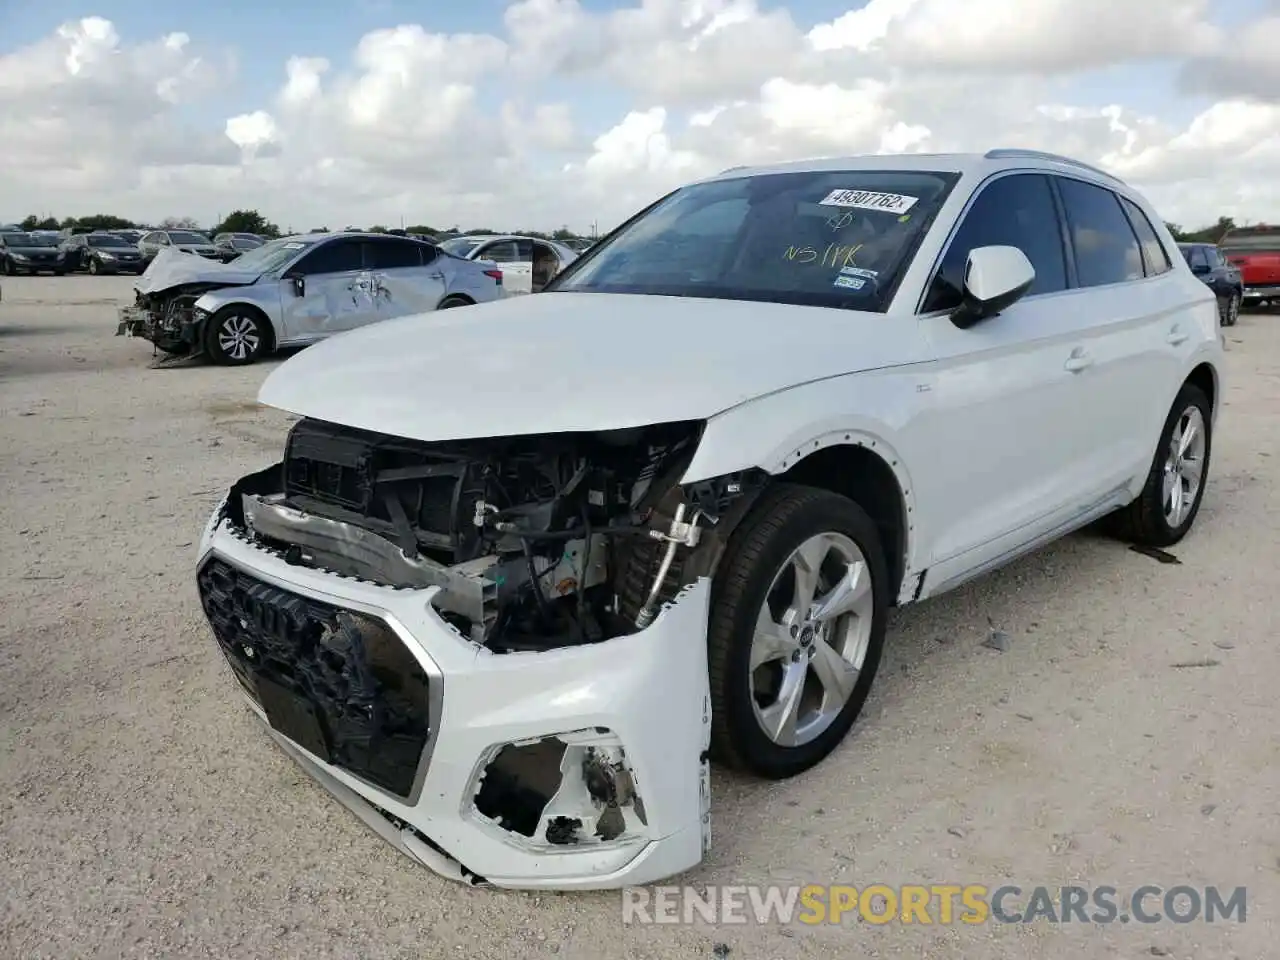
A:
[869,200]
[1001,436]
[627,685]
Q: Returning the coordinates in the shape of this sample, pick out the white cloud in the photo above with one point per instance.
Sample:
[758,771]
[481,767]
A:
[488,129]
[1245,64]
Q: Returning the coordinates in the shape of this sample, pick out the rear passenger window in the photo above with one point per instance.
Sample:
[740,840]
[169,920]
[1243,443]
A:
[1016,211]
[504,251]
[392,254]
[1106,248]
[1155,259]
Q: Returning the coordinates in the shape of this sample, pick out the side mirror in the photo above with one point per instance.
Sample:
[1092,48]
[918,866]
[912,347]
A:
[995,278]
[299,283]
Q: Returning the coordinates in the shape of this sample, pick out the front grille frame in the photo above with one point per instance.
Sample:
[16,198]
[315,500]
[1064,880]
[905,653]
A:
[434,676]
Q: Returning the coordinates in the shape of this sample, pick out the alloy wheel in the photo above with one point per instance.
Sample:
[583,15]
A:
[811,639]
[238,337]
[1184,466]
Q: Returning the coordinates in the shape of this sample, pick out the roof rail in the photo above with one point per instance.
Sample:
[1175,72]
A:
[1015,153]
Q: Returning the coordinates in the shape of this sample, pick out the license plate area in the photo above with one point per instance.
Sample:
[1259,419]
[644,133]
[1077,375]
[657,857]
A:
[294,717]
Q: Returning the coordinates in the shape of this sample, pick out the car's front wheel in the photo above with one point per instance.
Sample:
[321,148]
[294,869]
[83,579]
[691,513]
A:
[796,632]
[234,337]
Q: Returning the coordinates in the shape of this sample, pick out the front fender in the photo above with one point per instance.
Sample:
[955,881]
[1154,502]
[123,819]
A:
[877,411]
[776,431]
[262,297]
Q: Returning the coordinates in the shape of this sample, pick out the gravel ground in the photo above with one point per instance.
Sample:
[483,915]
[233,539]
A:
[145,814]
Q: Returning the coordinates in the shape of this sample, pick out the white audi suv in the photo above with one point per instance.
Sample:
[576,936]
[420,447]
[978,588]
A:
[524,570]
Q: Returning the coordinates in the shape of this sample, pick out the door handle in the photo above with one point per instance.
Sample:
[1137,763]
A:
[1079,360]
[1176,337]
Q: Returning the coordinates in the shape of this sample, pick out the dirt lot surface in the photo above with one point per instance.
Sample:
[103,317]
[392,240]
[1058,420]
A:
[1128,734]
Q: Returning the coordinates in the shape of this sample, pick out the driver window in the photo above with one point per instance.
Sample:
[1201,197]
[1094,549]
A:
[162,239]
[336,256]
[1015,211]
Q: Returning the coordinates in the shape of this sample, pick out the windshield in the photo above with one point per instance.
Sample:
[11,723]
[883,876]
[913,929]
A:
[109,242]
[186,236]
[271,256]
[28,240]
[245,243]
[460,246]
[817,238]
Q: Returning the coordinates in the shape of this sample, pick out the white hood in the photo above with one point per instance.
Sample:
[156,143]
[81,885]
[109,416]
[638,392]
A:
[556,362]
[172,268]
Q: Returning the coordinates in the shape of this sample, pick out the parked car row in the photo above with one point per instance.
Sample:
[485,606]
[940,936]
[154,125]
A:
[110,251]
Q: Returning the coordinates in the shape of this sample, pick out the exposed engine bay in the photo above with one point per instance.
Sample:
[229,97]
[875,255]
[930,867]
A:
[535,542]
[166,318]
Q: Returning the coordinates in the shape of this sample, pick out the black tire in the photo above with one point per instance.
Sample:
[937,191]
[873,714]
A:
[450,302]
[1229,312]
[785,517]
[1145,521]
[94,268]
[59,273]
[253,334]
[8,267]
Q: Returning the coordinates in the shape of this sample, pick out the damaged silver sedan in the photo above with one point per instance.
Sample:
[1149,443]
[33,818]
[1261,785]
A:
[295,291]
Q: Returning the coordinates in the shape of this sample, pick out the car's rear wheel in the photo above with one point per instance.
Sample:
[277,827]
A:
[1167,507]
[1229,312]
[796,631]
[235,337]
[450,302]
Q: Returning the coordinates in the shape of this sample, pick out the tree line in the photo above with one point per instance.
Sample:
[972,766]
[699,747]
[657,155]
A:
[251,221]
[1210,234]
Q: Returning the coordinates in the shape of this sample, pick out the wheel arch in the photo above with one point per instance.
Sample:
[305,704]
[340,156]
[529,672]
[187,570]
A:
[870,473]
[247,306]
[851,463]
[462,298]
[1205,376]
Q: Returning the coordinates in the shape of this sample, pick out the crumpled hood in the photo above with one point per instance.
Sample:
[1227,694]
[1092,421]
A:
[554,362]
[172,268]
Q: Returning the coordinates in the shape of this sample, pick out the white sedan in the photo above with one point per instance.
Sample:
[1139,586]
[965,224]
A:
[527,263]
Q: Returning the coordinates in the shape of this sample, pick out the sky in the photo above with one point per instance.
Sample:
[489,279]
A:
[537,114]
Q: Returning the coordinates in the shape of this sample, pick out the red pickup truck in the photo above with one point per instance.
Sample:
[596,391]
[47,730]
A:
[1255,252]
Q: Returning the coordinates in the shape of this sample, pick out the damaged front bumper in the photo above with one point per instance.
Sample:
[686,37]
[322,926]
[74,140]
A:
[179,331]
[582,767]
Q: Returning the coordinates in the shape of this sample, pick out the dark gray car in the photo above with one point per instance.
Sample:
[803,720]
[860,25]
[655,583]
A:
[30,253]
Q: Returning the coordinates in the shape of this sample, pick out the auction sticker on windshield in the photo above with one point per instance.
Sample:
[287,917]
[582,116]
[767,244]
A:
[868,200]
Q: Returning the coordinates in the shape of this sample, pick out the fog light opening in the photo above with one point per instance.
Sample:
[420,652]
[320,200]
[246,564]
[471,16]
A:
[562,790]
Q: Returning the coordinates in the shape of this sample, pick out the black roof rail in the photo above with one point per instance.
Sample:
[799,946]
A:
[1017,153]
